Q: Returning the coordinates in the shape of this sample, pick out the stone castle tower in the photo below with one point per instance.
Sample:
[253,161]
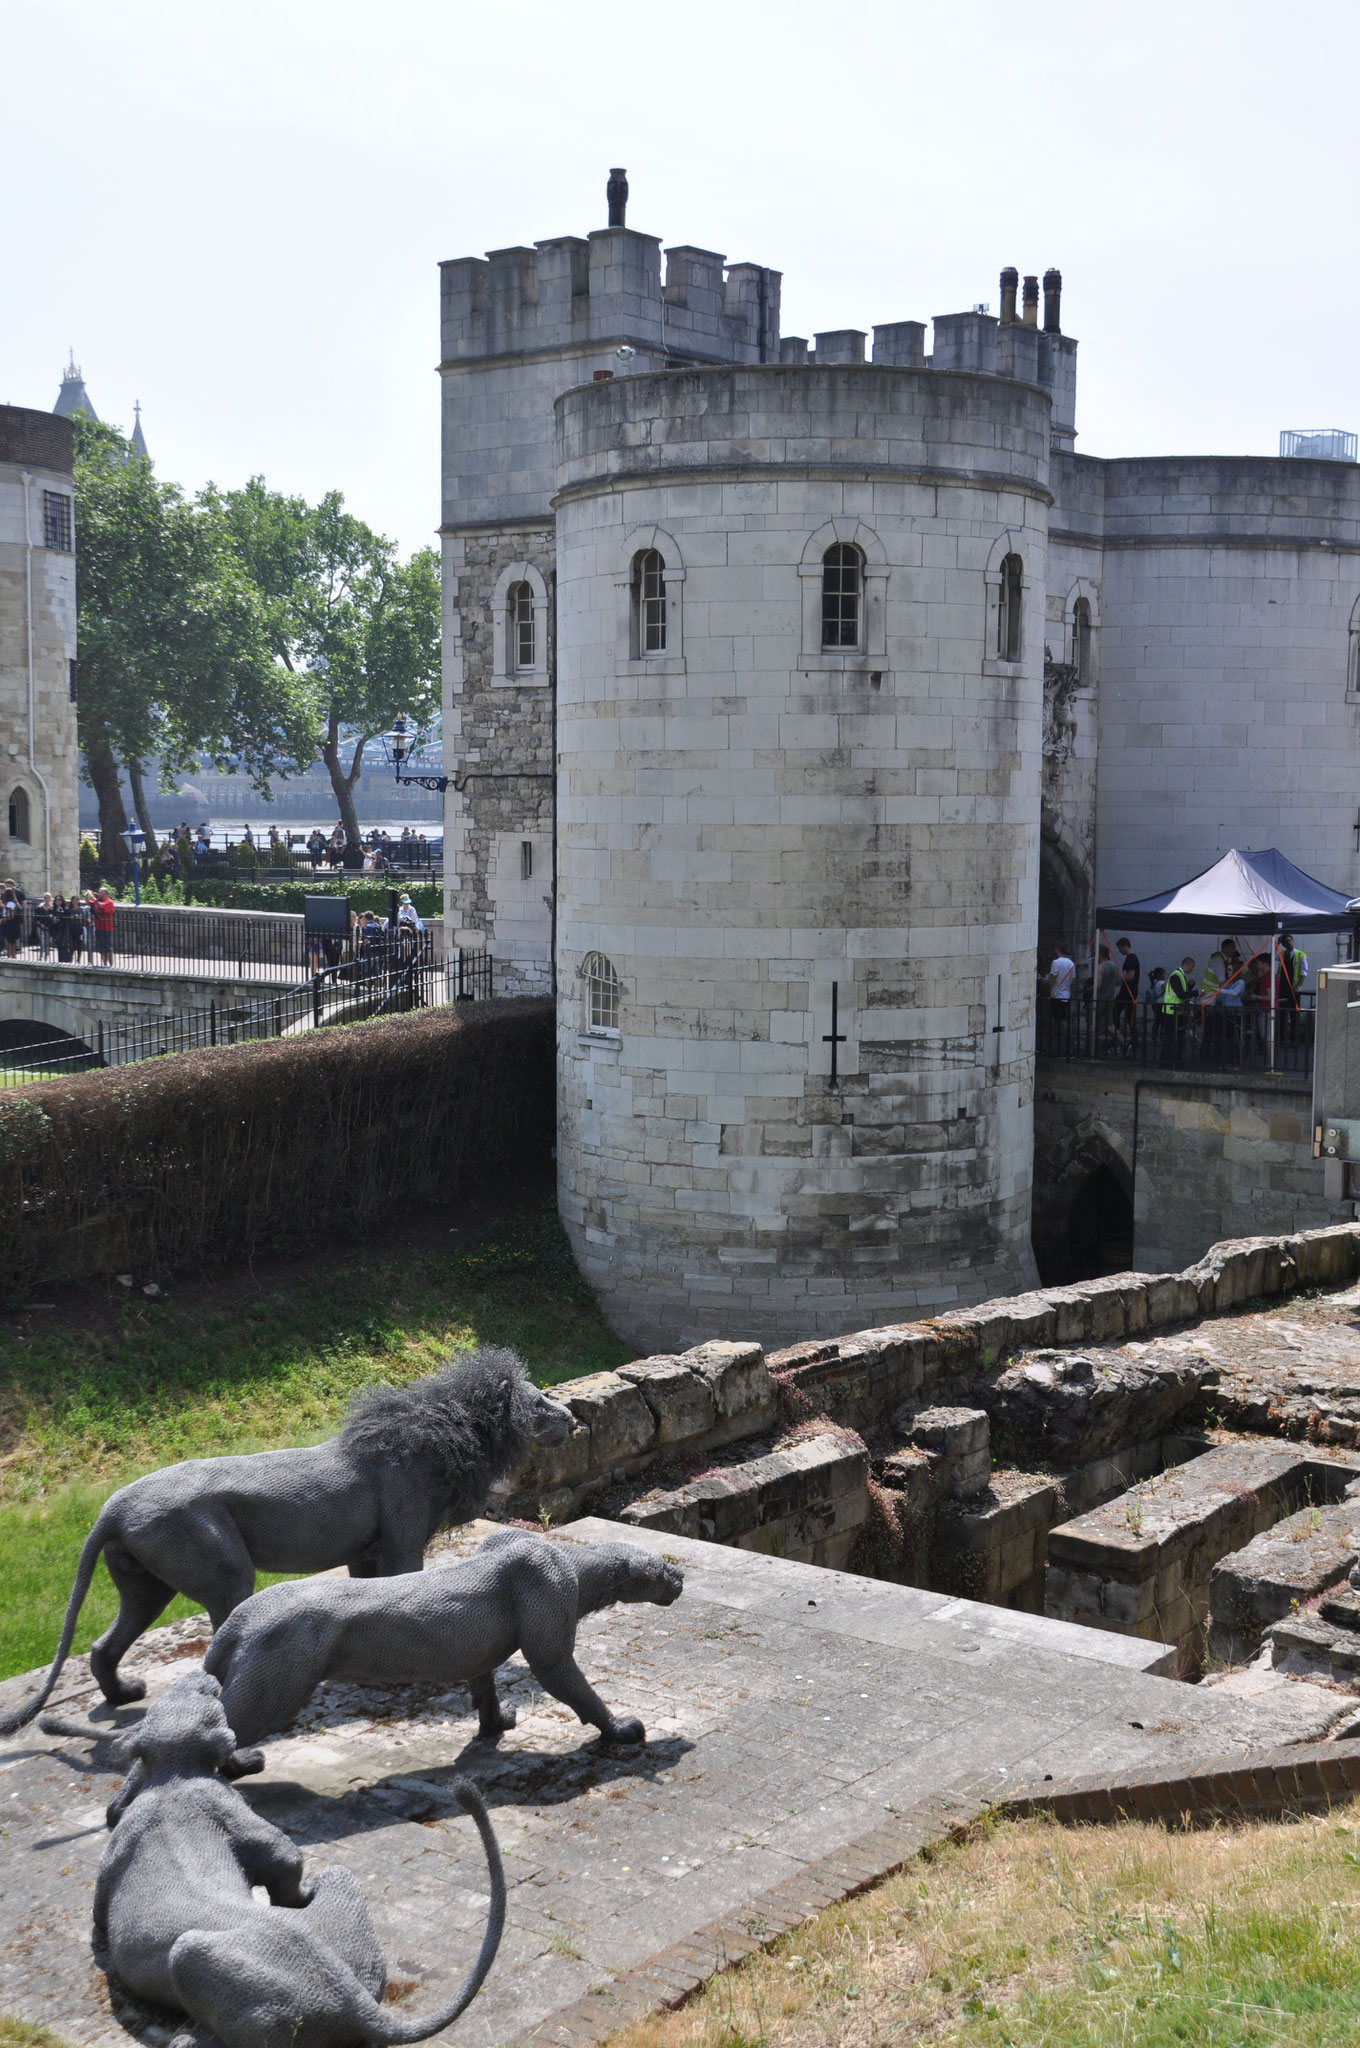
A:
[39,762]
[775,616]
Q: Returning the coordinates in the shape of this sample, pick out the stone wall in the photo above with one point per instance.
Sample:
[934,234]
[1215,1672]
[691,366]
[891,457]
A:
[749,820]
[1202,1160]
[43,853]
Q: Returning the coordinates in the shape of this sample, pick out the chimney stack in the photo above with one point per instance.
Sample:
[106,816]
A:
[1031,302]
[1010,280]
[1052,302]
[616,192]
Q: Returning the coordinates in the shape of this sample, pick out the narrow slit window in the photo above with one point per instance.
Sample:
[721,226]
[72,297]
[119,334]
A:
[1008,624]
[1081,639]
[71,681]
[526,860]
[602,993]
[522,636]
[842,595]
[649,602]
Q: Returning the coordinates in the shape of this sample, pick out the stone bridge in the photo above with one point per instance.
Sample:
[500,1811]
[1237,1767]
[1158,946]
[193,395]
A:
[73,1001]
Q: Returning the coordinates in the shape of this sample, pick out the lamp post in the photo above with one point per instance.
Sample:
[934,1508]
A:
[399,740]
[136,840]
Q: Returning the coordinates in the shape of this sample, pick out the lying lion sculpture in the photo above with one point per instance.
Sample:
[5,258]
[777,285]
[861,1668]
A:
[175,1921]
[452,1626]
[408,1461]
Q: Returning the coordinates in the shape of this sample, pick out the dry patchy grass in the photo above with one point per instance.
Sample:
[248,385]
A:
[1029,1935]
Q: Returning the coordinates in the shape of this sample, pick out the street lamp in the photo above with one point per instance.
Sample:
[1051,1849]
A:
[136,840]
[399,741]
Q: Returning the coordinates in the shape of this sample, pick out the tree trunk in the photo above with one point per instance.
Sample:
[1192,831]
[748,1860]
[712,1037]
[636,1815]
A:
[342,783]
[134,769]
[102,770]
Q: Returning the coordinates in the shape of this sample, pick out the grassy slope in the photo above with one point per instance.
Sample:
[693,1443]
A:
[1031,1936]
[81,1413]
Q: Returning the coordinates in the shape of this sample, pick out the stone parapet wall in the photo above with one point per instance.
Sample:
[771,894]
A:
[808,1502]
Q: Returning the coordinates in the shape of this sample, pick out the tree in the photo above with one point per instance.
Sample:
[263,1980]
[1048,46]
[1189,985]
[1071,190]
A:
[347,616]
[175,657]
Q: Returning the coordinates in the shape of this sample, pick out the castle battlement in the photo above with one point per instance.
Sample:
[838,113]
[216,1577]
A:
[573,293]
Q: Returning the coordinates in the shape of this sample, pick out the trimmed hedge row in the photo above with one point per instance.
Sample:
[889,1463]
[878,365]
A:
[204,1156]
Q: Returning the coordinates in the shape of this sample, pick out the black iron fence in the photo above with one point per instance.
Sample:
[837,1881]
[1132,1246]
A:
[334,995]
[1195,1035]
[270,947]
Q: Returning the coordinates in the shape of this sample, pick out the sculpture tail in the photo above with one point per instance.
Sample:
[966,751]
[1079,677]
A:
[393,2032]
[89,1558]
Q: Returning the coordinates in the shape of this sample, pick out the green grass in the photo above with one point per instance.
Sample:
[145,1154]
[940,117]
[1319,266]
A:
[1028,1935]
[83,1411]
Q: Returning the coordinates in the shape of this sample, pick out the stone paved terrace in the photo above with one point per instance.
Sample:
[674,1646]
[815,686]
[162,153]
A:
[791,1712]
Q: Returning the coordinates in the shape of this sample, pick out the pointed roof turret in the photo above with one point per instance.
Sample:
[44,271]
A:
[139,446]
[73,397]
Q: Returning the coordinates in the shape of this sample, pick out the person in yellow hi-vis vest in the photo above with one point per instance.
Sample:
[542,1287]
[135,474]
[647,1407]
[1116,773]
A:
[1177,1010]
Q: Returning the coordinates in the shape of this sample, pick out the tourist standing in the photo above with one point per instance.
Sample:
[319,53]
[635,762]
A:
[45,924]
[1126,1001]
[11,918]
[102,911]
[1062,976]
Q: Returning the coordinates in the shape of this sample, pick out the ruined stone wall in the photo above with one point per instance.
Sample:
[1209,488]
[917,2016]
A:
[42,853]
[748,820]
[1203,1160]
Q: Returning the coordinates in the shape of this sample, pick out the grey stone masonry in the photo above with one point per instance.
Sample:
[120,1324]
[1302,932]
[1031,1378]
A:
[807,1502]
[1280,1571]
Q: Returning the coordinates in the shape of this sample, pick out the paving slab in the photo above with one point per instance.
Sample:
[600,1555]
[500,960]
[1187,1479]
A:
[807,1731]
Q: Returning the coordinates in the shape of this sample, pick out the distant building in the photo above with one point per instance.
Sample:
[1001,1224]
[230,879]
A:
[39,761]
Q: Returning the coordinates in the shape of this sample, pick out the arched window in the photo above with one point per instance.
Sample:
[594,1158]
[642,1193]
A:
[842,590]
[520,636]
[601,993]
[1081,639]
[18,814]
[649,604]
[1008,620]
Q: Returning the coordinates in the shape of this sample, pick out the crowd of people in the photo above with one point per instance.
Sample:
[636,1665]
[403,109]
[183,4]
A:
[1218,1015]
[73,927]
[187,850]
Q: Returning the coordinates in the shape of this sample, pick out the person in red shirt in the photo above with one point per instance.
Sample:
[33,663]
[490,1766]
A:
[103,927]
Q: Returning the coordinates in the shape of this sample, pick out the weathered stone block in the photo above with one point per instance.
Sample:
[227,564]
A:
[563,1465]
[1070,1408]
[682,1402]
[618,1419]
[1278,1572]
[737,1374]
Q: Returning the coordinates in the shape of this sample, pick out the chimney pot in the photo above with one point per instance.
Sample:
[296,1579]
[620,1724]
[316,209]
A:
[616,192]
[1010,282]
[1052,302]
[1031,302]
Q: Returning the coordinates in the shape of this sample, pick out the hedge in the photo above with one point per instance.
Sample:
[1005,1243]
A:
[212,1155]
[363,891]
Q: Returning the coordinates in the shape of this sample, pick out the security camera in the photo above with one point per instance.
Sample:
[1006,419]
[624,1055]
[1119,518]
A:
[625,354]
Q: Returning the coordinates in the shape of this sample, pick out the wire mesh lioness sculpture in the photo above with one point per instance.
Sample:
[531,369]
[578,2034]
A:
[175,1921]
[408,1462]
[449,1627]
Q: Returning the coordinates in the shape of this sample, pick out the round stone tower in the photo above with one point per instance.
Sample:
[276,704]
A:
[800,654]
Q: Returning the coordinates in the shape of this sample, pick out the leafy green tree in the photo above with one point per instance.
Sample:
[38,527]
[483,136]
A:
[174,649]
[358,626]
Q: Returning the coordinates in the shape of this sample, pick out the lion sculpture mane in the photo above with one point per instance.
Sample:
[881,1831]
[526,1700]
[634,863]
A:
[408,1461]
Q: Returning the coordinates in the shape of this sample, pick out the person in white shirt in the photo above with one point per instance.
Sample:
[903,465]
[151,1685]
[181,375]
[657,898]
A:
[1062,976]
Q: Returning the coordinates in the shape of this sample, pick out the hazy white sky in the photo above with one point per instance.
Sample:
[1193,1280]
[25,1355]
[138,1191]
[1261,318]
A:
[233,209]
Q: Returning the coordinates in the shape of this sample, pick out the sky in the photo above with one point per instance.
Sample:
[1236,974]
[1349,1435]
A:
[234,211]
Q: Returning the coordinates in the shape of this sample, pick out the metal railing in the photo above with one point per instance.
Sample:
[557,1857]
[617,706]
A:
[273,946]
[335,995]
[1200,1036]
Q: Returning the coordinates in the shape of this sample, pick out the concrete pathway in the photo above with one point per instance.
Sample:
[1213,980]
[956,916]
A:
[791,1713]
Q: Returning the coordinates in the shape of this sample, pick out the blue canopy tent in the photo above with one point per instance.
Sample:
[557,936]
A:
[1243,892]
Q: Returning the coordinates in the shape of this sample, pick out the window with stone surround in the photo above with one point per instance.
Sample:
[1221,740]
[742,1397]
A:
[1009,615]
[1081,639]
[601,989]
[18,815]
[842,590]
[649,603]
[57,522]
[522,637]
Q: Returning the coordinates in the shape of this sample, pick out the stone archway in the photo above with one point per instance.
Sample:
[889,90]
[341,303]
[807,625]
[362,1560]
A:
[1064,901]
[28,1044]
[1083,1207]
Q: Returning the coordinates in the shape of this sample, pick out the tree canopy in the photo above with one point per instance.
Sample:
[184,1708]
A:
[245,626]
[175,659]
[358,626]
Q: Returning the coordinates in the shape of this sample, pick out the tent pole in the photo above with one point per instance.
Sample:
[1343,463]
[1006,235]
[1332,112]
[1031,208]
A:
[1274,949]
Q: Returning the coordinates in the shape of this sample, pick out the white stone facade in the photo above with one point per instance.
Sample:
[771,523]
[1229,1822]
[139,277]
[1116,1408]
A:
[39,762]
[743,818]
